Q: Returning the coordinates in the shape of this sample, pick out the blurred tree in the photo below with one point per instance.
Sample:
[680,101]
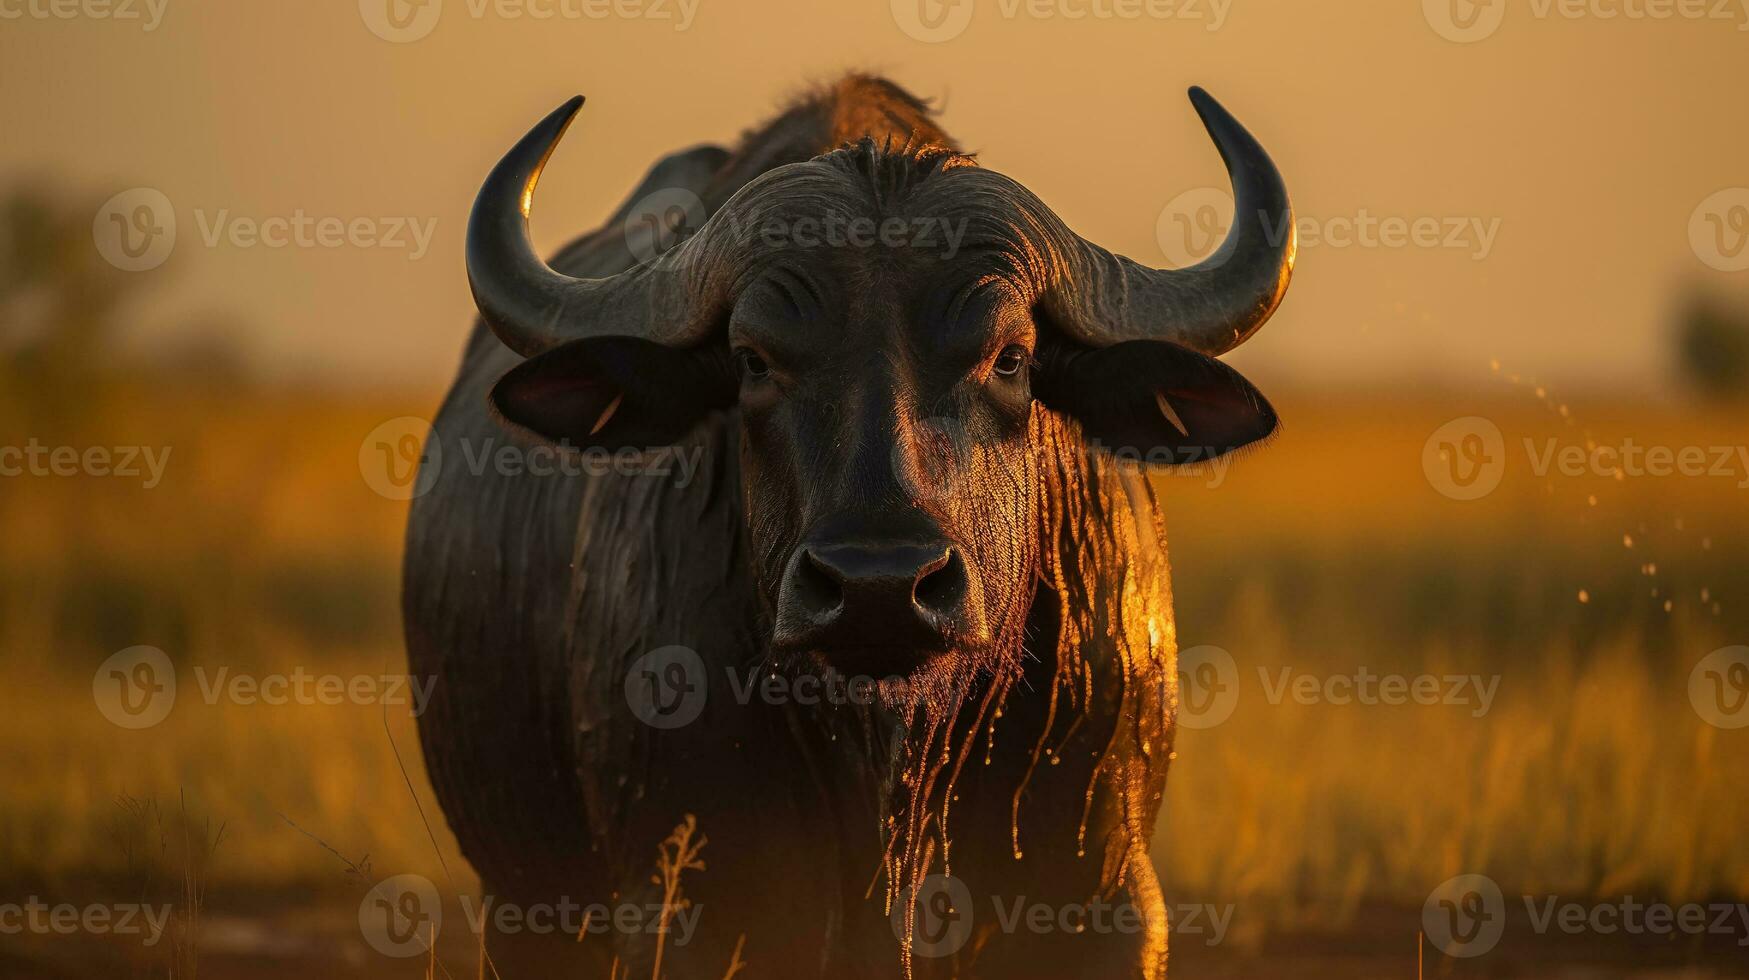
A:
[62,317]
[1713,348]
[58,301]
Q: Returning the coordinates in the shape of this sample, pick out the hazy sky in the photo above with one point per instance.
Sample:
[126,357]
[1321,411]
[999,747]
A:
[1554,154]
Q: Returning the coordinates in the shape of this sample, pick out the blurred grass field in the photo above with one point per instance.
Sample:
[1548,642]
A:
[265,550]
[1590,774]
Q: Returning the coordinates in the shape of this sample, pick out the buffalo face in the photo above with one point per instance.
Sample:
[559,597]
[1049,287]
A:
[885,400]
[892,329]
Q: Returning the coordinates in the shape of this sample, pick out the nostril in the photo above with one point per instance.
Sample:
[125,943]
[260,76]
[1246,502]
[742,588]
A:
[819,567]
[941,585]
[817,584]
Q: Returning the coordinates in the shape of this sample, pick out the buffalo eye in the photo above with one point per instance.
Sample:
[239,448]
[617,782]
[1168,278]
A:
[1011,360]
[752,365]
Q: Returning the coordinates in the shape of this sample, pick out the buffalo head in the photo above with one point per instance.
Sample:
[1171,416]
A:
[896,329]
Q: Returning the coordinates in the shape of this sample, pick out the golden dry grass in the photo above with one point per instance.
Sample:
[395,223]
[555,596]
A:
[1591,774]
[265,550]
[262,551]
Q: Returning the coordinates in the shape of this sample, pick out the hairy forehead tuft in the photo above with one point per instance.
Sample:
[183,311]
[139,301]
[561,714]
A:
[845,212]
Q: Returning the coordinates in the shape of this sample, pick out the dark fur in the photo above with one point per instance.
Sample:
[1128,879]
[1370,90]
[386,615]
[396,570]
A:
[527,597]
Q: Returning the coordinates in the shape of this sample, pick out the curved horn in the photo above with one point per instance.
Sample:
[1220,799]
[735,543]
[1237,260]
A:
[1212,306]
[530,306]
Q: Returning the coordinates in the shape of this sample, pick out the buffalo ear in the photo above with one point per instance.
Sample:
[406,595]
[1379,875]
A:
[1167,403]
[614,392]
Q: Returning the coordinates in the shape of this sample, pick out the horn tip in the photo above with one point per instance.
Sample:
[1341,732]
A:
[553,127]
[1206,105]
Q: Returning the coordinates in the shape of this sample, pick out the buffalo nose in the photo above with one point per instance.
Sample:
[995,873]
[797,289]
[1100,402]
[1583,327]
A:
[884,592]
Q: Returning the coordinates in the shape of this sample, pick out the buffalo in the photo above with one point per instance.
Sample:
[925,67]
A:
[900,645]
